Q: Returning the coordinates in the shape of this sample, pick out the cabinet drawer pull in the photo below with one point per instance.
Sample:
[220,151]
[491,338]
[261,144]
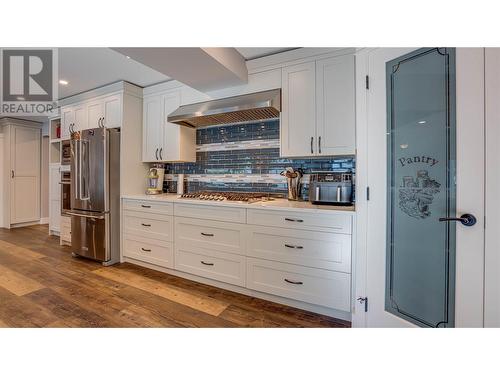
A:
[312,142]
[319,144]
[206,263]
[207,234]
[294,247]
[294,220]
[294,282]
[145,225]
[147,250]
[145,206]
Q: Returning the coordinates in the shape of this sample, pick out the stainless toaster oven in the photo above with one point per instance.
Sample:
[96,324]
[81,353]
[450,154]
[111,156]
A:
[331,188]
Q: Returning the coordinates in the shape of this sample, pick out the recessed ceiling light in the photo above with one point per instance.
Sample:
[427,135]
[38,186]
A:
[422,122]
[128,57]
[63,82]
[404,146]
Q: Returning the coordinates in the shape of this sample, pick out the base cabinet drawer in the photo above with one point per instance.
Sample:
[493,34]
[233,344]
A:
[160,253]
[150,206]
[332,222]
[210,234]
[321,287]
[329,251]
[160,227]
[219,213]
[211,264]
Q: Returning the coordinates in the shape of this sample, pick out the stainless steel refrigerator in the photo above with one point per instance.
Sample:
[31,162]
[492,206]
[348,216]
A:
[95,194]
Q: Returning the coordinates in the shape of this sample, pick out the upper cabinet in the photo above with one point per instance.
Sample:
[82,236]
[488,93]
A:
[318,108]
[164,141]
[104,111]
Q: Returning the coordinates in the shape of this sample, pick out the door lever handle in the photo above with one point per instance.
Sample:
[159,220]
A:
[466,219]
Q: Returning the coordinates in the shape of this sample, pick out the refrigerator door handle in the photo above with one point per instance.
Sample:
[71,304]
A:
[100,215]
[84,171]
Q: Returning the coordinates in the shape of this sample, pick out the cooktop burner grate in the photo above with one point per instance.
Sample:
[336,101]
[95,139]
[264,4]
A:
[227,196]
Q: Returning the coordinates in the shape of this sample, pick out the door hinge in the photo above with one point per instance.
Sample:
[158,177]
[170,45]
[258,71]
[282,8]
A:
[365,301]
[367,193]
[367,79]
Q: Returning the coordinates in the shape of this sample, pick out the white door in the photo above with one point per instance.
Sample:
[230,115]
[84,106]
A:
[112,111]
[81,122]
[25,175]
[68,118]
[170,149]
[151,132]
[422,165]
[95,114]
[335,103]
[298,116]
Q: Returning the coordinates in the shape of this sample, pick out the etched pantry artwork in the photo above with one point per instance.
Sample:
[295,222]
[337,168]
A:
[417,193]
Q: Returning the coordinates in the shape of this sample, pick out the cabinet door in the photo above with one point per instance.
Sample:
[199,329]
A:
[171,146]
[55,215]
[68,118]
[298,117]
[112,111]
[335,105]
[81,122]
[95,114]
[25,175]
[151,131]
[54,186]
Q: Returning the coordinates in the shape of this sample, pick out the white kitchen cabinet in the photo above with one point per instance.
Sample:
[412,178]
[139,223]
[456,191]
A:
[104,112]
[164,141]
[54,199]
[318,114]
[335,116]
[151,128]
[55,217]
[302,255]
[298,116]
[81,122]
[67,119]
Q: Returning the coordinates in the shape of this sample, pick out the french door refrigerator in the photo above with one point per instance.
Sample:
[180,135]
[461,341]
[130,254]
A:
[95,194]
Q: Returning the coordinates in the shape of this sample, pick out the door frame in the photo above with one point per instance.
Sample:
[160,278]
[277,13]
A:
[470,85]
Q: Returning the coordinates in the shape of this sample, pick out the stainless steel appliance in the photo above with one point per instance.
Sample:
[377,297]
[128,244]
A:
[65,152]
[250,107]
[65,192]
[331,188]
[228,196]
[95,194]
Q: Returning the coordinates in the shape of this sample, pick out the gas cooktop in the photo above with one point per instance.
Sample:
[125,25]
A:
[228,196]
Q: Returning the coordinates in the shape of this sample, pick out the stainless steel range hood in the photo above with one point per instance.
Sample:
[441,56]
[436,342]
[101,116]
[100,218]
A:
[251,107]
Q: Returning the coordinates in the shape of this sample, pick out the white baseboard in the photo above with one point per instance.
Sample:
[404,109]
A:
[44,220]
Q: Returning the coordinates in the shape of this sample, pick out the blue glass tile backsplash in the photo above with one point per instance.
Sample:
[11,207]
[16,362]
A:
[250,150]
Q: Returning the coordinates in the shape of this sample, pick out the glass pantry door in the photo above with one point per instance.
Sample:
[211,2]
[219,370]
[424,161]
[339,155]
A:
[423,223]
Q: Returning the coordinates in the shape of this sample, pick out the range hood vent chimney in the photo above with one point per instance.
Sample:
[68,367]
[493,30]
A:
[251,107]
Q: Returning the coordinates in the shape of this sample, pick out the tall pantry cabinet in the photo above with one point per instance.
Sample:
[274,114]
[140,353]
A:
[21,172]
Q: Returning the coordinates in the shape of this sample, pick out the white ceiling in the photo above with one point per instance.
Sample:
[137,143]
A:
[250,53]
[88,68]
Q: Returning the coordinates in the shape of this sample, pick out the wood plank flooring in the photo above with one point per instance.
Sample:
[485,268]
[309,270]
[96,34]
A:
[41,285]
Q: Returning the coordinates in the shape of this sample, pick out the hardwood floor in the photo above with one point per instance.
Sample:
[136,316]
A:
[41,285]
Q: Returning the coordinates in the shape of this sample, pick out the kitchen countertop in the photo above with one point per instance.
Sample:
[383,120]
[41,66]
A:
[277,204]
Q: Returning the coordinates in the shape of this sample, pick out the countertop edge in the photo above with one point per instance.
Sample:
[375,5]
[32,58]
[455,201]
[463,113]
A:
[272,205]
